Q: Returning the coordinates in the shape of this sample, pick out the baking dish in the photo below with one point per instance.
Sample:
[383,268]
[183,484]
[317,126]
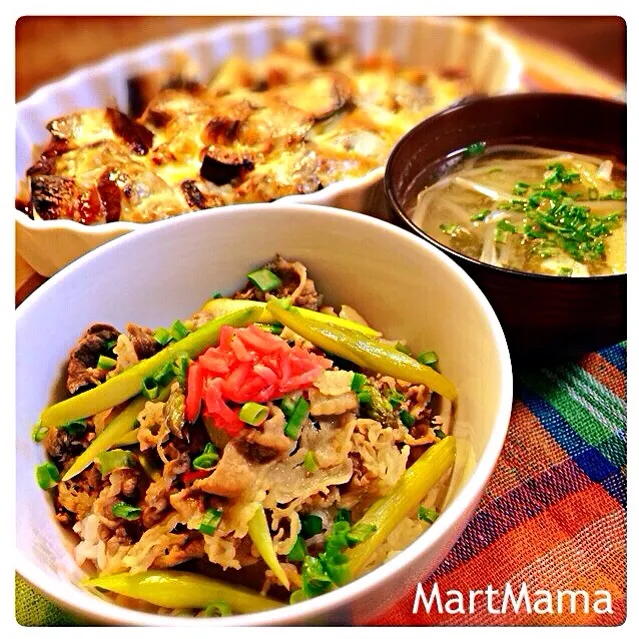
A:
[47,246]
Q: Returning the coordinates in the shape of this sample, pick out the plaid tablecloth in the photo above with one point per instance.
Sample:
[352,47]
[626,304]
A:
[553,515]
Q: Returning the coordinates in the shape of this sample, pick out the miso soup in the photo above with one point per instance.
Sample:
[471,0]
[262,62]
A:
[530,209]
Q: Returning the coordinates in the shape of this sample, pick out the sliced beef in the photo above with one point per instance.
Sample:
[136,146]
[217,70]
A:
[174,555]
[295,284]
[269,440]
[130,478]
[74,498]
[143,341]
[82,370]
[232,475]
[156,499]
[62,446]
[255,453]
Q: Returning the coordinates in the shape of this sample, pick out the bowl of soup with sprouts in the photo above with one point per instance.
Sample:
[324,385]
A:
[528,194]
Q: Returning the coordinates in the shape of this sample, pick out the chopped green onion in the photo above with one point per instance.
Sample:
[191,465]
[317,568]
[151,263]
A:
[178,330]
[164,374]
[298,551]
[343,514]
[216,295]
[449,229]
[39,432]
[337,540]
[295,421]
[315,580]
[406,418]
[311,525]
[506,226]
[310,462]
[75,427]
[481,216]
[264,279]
[439,433]
[337,569]
[111,460]
[476,148]
[162,336]
[253,413]
[106,363]
[126,511]
[180,368]
[358,381]
[150,388]
[615,194]
[364,396]
[593,193]
[210,521]
[297,596]
[565,271]
[207,459]
[402,348]
[428,358]
[427,514]
[110,345]
[47,475]
[288,405]
[360,532]
[217,609]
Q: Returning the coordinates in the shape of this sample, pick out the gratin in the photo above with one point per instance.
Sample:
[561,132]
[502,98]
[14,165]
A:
[308,114]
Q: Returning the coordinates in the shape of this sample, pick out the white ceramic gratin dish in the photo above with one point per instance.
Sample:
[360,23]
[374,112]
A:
[432,43]
[167,270]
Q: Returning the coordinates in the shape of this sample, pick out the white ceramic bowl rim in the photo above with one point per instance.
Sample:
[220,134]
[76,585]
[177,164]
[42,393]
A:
[511,83]
[91,606]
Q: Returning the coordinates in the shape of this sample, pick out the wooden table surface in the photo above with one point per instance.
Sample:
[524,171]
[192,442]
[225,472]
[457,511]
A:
[555,58]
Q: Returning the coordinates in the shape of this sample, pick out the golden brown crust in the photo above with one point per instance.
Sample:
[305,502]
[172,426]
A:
[306,115]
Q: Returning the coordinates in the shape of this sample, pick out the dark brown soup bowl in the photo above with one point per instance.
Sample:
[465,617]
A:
[543,316]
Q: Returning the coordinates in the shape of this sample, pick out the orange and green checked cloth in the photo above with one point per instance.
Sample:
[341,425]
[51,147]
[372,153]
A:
[553,515]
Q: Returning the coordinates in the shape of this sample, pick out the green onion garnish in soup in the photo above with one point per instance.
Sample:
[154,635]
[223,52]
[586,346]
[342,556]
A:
[531,209]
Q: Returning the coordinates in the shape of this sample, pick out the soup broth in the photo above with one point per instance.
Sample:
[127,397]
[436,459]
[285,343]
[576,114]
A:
[530,209]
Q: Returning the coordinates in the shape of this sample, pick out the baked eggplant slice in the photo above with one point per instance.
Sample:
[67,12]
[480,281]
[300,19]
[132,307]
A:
[81,128]
[88,127]
[319,94]
[142,88]
[198,198]
[220,165]
[53,197]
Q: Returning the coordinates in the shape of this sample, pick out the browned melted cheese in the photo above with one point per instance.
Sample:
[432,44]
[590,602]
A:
[307,115]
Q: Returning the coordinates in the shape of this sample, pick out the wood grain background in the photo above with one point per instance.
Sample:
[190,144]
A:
[50,46]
